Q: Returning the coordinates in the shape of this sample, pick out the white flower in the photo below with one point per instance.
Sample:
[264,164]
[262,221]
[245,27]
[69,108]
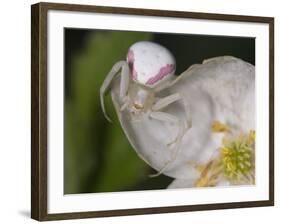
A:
[221,89]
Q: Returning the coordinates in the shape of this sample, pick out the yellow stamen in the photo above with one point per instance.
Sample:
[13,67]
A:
[219,127]
[251,137]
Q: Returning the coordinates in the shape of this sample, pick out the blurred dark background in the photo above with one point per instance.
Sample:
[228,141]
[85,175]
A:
[97,155]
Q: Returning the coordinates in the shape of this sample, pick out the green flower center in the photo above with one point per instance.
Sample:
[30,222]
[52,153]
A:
[237,159]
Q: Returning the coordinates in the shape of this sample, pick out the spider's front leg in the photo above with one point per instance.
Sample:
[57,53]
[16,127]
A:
[166,117]
[164,102]
[124,84]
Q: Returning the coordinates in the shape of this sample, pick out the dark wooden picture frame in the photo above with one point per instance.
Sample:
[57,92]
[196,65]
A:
[39,106]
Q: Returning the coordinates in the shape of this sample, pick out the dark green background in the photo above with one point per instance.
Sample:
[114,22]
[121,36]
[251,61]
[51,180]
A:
[97,155]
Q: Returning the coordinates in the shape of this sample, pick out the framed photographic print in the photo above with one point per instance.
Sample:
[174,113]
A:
[138,111]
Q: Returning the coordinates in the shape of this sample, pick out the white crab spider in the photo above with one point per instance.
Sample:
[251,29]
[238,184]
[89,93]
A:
[148,69]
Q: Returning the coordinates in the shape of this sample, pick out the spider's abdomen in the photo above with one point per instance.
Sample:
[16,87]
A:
[150,64]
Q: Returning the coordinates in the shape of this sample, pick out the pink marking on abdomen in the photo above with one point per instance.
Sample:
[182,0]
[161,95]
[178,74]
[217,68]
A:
[161,74]
[131,60]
